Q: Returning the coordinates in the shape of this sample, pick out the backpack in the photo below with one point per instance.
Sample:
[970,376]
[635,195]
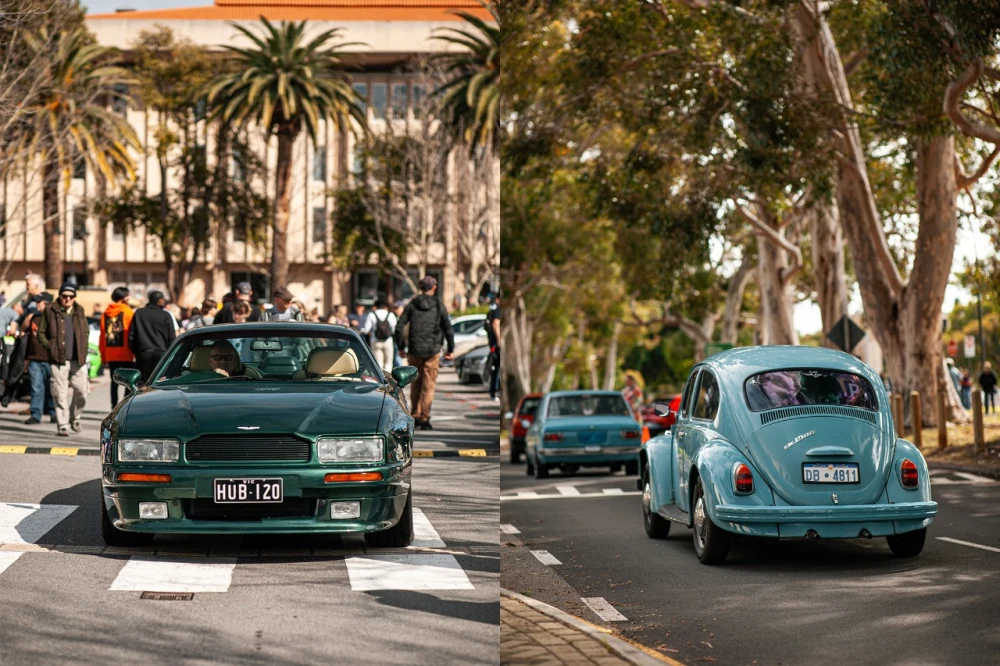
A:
[383,330]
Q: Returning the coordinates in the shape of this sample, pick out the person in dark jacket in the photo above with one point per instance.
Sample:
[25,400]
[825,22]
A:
[428,325]
[243,292]
[63,332]
[39,369]
[152,331]
[988,382]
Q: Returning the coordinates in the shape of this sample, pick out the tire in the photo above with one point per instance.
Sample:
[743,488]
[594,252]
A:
[908,544]
[632,468]
[397,536]
[529,466]
[116,537]
[657,527]
[711,542]
[541,470]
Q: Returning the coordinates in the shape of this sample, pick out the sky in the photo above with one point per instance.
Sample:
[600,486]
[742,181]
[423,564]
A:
[109,6]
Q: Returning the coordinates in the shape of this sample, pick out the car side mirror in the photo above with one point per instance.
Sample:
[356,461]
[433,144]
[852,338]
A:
[661,408]
[127,377]
[404,374]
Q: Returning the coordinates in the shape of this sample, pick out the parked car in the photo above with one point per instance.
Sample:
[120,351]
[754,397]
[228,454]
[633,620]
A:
[302,433]
[470,333]
[474,366]
[785,442]
[574,429]
[521,419]
[656,423]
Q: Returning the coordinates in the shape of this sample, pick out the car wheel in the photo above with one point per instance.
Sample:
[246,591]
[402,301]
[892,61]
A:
[657,527]
[530,466]
[118,538]
[711,542]
[397,536]
[908,544]
[541,470]
[632,468]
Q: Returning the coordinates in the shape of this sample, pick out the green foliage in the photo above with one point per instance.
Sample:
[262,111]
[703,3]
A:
[355,231]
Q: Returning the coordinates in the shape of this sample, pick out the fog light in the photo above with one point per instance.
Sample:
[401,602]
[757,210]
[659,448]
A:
[153,510]
[344,510]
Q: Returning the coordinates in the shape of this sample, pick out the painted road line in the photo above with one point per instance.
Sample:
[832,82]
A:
[63,451]
[149,573]
[55,451]
[27,523]
[970,544]
[424,534]
[7,559]
[545,557]
[13,449]
[527,494]
[406,572]
[535,496]
[475,453]
[568,491]
[423,453]
[603,609]
[614,491]
[973,478]
[509,529]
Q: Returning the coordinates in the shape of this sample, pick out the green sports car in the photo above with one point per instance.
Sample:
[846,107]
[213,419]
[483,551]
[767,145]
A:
[260,428]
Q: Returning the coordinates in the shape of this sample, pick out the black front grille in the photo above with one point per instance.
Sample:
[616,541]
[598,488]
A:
[206,509]
[817,410]
[248,447]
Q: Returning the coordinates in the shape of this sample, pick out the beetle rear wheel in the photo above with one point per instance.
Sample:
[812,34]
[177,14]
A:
[711,542]
[908,544]
[657,527]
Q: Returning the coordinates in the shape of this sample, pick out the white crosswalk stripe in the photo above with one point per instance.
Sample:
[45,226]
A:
[409,571]
[568,491]
[148,573]
[7,559]
[27,523]
[424,534]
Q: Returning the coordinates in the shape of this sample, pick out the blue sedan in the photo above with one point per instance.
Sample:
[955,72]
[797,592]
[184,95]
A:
[574,429]
[785,442]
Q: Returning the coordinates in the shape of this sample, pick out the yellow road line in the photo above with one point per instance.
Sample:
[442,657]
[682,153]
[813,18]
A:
[475,453]
[63,451]
[13,449]
[423,453]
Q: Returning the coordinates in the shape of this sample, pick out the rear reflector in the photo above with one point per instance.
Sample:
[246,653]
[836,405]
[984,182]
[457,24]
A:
[143,478]
[908,474]
[353,476]
[743,479]
[630,434]
[553,437]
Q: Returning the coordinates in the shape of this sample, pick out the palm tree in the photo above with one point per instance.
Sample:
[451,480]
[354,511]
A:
[68,120]
[283,83]
[471,91]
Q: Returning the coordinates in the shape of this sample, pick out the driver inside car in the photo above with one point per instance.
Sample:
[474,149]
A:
[224,359]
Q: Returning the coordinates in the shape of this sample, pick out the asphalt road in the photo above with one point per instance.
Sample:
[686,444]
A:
[773,602]
[65,598]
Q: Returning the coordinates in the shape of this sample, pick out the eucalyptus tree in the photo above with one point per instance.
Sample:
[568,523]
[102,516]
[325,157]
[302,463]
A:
[284,82]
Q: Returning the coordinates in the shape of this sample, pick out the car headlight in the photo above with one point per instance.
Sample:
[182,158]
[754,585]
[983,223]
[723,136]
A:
[148,450]
[349,449]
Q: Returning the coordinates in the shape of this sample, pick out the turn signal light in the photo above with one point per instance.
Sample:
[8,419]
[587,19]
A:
[743,479]
[630,434]
[553,437]
[144,478]
[353,476]
[908,474]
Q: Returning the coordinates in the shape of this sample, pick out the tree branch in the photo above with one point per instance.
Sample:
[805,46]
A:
[768,231]
[854,61]
[967,181]
[952,103]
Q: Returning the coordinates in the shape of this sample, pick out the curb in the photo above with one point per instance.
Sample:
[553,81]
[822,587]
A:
[53,451]
[989,472]
[634,654]
[453,453]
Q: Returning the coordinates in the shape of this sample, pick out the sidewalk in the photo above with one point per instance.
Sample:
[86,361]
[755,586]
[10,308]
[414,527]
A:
[532,632]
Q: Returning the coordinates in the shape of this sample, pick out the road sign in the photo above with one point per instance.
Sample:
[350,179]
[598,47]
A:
[970,346]
[952,349]
[716,347]
[845,334]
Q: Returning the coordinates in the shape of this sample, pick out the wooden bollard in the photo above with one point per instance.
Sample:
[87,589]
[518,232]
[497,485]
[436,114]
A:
[917,417]
[977,421]
[942,418]
[898,414]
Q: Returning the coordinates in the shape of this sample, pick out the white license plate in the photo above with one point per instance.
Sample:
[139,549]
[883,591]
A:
[592,448]
[240,491]
[830,473]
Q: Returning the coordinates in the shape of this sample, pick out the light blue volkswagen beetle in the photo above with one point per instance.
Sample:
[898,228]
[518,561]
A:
[785,442]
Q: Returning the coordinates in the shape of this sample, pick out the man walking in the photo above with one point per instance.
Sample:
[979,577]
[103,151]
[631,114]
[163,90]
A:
[380,326]
[429,325]
[243,292]
[283,310]
[116,322]
[988,382]
[493,338]
[151,333]
[39,368]
[63,332]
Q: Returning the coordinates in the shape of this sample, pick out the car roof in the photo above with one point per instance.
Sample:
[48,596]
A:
[740,363]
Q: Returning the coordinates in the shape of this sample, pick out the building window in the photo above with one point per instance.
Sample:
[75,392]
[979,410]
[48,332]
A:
[119,229]
[357,160]
[239,167]
[79,167]
[366,287]
[319,224]
[79,223]
[400,95]
[200,107]
[119,99]
[361,89]
[419,97]
[319,164]
[200,157]
[379,99]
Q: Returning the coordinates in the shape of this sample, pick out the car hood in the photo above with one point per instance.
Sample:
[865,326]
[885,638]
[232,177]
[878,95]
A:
[303,409]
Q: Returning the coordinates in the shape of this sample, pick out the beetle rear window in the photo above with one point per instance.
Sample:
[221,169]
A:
[791,388]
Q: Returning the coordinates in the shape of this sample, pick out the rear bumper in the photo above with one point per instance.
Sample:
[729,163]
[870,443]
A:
[603,454]
[826,514]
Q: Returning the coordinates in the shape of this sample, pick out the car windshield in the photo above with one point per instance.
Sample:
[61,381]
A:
[588,405]
[529,407]
[788,388]
[288,356]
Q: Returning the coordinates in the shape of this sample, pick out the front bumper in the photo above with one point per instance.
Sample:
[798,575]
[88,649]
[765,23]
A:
[382,502]
[847,521]
[589,455]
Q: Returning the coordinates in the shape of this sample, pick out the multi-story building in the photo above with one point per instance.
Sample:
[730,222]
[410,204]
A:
[393,35]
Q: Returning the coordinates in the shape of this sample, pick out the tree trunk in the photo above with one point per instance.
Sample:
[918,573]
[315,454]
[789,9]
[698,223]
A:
[734,299]
[283,200]
[220,186]
[52,224]
[101,275]
[558,353]
[775,294]
[611,359]
[828,265]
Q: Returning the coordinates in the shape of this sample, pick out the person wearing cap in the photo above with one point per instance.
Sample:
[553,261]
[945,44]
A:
[116,322]
[39,367]
[153,330]
[243,292]
[283,310]
[420,331]
[63,333]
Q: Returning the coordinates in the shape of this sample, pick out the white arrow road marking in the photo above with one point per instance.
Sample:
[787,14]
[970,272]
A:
[604,610]
[407,572]
[970,544]
[27,523]
[7,559]
[148,573]
[973,477]
[545,557]
[568,491]
[509,529]
[424,534]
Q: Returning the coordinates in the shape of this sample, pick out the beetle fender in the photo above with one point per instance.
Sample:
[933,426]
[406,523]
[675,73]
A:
[894,488]
[714,465]
[658,454]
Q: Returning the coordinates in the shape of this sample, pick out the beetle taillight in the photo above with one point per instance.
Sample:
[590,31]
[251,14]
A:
[743,479]
[908,474]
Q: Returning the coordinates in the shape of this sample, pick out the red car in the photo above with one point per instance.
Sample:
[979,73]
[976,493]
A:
[522,418]
[659,424]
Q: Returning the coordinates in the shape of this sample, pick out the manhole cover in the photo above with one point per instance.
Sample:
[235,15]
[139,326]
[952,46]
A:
[168,596]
